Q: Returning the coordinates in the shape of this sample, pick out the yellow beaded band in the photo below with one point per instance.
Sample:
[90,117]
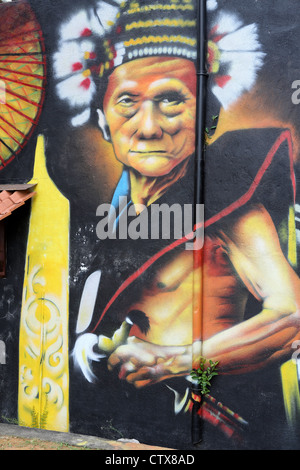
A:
[159,40]
[164,22]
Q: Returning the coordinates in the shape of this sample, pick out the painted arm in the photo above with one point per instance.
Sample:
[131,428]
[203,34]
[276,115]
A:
[253,248]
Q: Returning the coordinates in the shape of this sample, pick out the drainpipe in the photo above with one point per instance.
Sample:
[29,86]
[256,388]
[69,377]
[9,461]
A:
[202,77]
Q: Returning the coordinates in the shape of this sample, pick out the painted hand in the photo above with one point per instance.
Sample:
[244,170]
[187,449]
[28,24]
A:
[142,363]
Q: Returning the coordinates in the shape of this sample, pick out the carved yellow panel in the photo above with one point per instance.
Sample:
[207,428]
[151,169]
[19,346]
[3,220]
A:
[43,355]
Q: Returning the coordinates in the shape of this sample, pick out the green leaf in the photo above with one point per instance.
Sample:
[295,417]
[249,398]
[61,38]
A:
[203,375]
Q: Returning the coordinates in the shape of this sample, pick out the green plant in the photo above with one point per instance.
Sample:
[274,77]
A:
[44,414]
[204,374]
[211,129]
[10,420]
[34,418]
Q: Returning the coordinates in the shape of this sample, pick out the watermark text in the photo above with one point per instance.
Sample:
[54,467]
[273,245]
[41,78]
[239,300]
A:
[156,222]
[296,94]
[2,92]
[2,352]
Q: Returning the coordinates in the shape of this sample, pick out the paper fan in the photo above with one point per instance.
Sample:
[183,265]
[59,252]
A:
[22,78]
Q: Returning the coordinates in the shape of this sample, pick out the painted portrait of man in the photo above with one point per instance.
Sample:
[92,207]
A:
[129,265]
[136,322]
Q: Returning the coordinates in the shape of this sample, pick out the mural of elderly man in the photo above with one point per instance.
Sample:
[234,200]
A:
[134,332]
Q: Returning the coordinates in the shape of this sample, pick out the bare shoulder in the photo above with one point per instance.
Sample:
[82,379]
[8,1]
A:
[254,230]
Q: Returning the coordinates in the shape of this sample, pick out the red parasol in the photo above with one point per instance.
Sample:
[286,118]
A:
[22,77]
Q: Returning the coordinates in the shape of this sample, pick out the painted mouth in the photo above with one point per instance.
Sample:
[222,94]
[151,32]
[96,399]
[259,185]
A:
[149,152]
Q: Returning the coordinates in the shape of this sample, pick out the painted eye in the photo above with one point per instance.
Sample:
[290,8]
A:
[171,99]
[126,101]
[127,105]
[171,104]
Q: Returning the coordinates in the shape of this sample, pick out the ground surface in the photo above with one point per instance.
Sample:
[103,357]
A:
[14,437]
[18,443]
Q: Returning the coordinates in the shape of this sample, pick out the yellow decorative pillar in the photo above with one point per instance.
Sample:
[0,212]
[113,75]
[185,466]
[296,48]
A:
[289,370]
[291,395]
[43,348]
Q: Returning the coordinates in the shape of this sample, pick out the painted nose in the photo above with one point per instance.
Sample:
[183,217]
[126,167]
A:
[148,126]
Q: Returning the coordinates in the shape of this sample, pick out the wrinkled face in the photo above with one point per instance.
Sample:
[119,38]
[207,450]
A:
[150,108]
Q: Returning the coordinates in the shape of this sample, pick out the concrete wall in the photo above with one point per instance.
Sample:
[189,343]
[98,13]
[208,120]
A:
[105,308]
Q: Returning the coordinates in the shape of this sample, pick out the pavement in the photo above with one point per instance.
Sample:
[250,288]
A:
[91,442]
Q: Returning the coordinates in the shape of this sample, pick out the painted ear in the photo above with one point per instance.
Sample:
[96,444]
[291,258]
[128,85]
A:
[103,125]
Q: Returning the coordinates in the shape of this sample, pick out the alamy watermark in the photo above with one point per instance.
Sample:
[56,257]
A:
[2,352]
[158,221]
[296,94]
[2,92]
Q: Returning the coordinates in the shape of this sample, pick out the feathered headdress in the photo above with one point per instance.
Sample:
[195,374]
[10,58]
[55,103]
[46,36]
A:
[234,57]
[96,40]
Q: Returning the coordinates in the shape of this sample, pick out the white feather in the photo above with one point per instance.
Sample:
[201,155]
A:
[68,54]
[240,52]
[84,355]
[81,118]
[71,91]
[107,14]
[95,26]
[227,23]
[211,5]
[243,69]
[179,401]
[73,28]
[244,39]
[91,286]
